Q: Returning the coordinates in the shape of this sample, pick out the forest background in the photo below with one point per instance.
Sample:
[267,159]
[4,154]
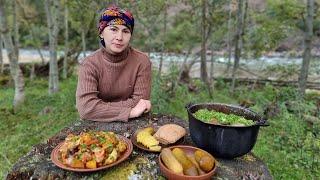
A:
[215,46]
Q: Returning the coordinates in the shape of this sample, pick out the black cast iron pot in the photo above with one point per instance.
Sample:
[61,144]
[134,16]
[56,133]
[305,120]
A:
[221,140]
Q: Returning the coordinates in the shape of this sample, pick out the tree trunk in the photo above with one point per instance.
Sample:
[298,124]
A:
[66,43]
[53,16]
[244,20]
[16,27]
[83,37]
[229,45]
[160,64]
[36,44]
[212,66]
[204,74]
[32,73]
[40,54]
[1,56]
[15,70]
[164,38]
[237,50]
[185,68]
[307,48]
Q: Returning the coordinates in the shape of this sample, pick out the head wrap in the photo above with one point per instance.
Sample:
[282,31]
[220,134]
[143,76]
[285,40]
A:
[114,15]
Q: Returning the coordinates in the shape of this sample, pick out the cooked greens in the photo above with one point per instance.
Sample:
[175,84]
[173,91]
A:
[211,116]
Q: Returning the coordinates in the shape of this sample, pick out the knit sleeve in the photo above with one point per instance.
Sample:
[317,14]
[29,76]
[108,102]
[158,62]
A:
[142,86]
[89,105]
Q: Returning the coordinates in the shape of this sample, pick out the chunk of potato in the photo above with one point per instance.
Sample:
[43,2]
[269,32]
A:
[91,164]
[76,163]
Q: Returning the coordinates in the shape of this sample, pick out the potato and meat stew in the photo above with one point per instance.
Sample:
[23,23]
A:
[91,149]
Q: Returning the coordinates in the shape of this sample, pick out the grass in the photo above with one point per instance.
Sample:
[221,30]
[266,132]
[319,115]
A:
[29,126]
[290,147]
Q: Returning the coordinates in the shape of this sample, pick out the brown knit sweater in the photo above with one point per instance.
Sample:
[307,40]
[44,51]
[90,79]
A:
[109,86]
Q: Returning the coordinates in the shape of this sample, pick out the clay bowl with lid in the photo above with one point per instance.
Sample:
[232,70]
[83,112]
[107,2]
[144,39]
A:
[174,176]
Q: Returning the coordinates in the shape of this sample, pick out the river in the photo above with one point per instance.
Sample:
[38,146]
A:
[250,67]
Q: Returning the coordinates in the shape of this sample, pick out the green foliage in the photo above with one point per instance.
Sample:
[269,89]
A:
[40,34]
[287,93]
[284,71]
[289,12]
[267,35]
[82,13]
[158,97]
[265,29]
[289,148]
[149,20]
[183,33]
[41,117]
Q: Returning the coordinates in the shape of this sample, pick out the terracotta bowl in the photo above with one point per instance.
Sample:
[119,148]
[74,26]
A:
[123,157]
[174,176]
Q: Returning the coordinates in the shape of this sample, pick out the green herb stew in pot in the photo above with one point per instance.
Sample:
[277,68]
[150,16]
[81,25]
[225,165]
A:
[215,117]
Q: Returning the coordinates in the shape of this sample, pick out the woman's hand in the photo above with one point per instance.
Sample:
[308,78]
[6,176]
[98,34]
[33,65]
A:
[141,107]
[148,105]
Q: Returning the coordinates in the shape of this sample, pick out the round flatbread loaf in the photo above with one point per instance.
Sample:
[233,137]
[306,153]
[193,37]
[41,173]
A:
[169,133]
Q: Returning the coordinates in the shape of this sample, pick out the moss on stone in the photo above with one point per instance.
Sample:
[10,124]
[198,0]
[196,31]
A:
[125,169]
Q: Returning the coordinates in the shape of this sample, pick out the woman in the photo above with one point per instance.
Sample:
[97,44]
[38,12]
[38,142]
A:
[114,82]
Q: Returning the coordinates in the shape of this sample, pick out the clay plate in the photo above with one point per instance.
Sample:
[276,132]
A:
[140,146]
[124,156]
[188,150]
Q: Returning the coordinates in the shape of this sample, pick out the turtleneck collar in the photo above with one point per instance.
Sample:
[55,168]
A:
[115,58]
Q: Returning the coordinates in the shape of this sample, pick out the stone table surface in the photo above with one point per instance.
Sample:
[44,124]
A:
[140,165]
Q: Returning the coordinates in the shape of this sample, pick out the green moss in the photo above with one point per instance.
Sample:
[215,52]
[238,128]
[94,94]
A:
[125,169]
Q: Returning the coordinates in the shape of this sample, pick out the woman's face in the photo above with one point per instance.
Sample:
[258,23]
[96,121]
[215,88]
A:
[116,38]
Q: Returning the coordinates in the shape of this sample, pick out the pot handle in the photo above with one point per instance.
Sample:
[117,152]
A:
[187,106]
[263,122]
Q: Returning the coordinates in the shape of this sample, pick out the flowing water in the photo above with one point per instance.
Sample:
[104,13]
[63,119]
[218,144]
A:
[250,67]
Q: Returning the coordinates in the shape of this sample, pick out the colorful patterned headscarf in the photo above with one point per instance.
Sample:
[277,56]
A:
[114,15]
